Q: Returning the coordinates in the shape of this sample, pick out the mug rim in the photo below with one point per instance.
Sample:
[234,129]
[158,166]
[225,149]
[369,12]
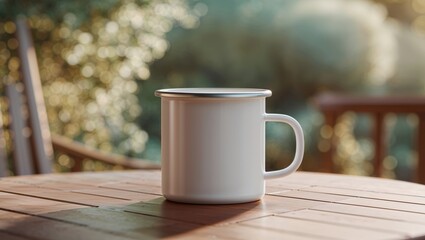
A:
[213,92]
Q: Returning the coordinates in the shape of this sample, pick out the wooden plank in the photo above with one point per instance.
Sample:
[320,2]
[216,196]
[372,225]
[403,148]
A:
[21,149]
[316,196]
[61,195]
[122,194]
[33,205]
[367,194]
[34,227]
[271,190]
[131,191]
[153,176]
[242,232]
[372,187]
[66,186]
[115,190]
[311,179]
[68,197]
[148,189]
[95,178]
[376,203]
[149,182]
[392,226]
[274,186]
[318,229]
[372,212]
[90,180]
[168,232]
[378,185]
[9,236]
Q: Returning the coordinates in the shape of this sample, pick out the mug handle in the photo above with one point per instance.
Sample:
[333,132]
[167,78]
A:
[299,150]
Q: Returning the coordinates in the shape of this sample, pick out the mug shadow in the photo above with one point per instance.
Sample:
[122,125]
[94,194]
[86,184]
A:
[156,218]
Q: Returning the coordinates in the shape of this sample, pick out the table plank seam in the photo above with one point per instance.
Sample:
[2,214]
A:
[99,195]
[368,191]
[41,216]
[128,190]
[393,209]
[345,195]
[344,224]
[303,198]
[17,235]
[384,208]
[48,198]
[364,197]
[367,216]
[41,187]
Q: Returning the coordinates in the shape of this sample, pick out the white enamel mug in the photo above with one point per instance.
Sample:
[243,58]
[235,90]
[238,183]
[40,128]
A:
[213,144]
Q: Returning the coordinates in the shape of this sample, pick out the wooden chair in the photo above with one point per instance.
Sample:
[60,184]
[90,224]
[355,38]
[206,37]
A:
[333,105]
[33,143]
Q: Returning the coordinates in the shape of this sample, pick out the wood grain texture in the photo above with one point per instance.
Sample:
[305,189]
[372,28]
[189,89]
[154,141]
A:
[129,205]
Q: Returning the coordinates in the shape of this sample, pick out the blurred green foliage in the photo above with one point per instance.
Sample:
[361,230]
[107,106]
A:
[294,48]
[297,49]
[91,54]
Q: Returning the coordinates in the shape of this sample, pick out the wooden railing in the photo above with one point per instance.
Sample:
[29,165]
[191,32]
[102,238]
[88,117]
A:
[332,105]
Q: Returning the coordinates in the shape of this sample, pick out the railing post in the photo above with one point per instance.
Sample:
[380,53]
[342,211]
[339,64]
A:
[420,173]
[379,146]
[327,161]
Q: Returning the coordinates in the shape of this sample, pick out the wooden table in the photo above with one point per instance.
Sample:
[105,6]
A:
[129,205]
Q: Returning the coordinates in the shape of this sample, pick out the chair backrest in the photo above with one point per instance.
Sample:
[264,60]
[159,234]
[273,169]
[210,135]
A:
[31,139]
[40,138]
[32,142]
[3,154]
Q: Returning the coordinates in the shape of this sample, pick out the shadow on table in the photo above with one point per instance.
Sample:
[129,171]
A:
[177,218]
[157,218]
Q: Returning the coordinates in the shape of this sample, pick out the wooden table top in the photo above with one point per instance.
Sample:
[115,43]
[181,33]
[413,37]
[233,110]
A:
[129,205]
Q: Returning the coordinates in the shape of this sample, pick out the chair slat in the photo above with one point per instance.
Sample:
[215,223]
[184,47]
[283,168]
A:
[41,138]
[22,150]
[3,154]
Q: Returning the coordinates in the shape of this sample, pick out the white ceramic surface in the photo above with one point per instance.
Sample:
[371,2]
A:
[213,145]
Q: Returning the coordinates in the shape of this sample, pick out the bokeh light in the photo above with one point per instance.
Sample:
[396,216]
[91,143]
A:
[89,69]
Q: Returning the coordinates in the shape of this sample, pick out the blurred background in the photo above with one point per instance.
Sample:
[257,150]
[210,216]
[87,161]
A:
[101,61]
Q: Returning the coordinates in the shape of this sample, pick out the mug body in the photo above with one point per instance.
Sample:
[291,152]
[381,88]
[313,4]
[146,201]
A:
[213,148]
